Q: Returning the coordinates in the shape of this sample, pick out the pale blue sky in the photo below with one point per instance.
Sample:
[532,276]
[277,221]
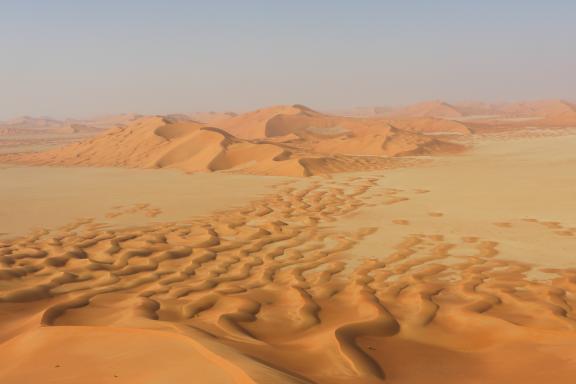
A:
[81,58]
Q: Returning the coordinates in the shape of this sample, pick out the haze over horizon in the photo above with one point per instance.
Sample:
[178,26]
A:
[81,58]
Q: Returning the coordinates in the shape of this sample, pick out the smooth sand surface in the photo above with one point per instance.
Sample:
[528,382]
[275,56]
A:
[105,355]
[521,192]
[458,271]
[49,197]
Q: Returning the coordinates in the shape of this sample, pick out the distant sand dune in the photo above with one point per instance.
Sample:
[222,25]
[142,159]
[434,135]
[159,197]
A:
[479,116]
[313,144]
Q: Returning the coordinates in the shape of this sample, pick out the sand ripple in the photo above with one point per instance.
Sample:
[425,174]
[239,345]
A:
[272,281]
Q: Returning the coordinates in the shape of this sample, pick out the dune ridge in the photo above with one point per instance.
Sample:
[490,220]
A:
[484,117]
[288,141]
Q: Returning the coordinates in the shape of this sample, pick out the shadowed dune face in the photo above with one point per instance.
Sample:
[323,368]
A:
[252,125]
[269,293]
[331,144]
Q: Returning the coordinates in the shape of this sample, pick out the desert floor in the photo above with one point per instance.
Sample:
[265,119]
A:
[459,270]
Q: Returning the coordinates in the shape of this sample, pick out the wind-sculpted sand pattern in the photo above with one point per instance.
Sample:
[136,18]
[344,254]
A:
[142,208]
[274,281]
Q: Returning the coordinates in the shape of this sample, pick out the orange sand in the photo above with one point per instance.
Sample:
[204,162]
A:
[456,271]
[286,141]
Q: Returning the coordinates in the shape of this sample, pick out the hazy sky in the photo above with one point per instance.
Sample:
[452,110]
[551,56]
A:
[79,58]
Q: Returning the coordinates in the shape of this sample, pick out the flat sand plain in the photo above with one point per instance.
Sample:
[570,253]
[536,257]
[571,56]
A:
[521,192]
[458,271]
[48,197]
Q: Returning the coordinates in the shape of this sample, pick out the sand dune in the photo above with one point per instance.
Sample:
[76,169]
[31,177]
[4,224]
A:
[30,134]
[482,115]
[29,124]
[543,113]
[253,125]
[429,109]
[540,108]
[157,142]
[311,143]
[43,126]
[305,122]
